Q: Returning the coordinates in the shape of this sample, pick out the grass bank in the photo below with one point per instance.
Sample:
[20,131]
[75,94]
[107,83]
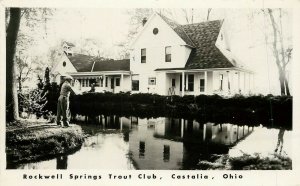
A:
[31,141]
[248,162]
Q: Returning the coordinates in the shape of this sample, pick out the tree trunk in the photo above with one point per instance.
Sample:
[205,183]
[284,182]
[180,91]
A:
[20,84]
[287,89]
[11,89]
[282,87]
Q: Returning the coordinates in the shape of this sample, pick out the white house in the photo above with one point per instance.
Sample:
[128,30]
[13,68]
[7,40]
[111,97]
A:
[168,58]
[107,75]
[165,58]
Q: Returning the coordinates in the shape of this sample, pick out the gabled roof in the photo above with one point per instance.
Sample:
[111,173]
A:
[85,63]
[202,38]
[205,54]
[112,65]
[81,62]
[179,30]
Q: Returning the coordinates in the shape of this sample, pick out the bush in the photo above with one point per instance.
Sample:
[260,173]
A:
[272,111]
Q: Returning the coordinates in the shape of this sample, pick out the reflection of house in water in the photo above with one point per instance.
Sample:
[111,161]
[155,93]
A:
[170,143]
[167,143]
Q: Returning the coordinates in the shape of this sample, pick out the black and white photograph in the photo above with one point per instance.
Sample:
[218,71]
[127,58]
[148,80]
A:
[148,88]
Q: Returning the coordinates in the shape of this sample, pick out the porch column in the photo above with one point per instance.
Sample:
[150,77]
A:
[121,123]
[104,81]
[182,127]
[228,82]
[182,84]
[205,82]
[122,81]
[204,132]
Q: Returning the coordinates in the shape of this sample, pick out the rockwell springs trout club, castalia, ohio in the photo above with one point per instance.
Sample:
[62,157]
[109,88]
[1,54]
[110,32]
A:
[141,176]
[166,58]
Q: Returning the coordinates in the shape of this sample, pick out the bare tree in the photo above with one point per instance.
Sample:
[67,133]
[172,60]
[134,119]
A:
[188,15]
[208,13]
[281,53]
[24,68]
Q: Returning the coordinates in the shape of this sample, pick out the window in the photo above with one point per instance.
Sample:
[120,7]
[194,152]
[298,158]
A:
[117,82]
[106,81]
[135,85]
[180,88]
[155,31]
[191,82]
[221,81]
[142,146]
[83,83]
[202,85]
[166,153]
[173,82]
[168,54]
[95,82]
[143,55]
[152,81]
[64,64]
[112,83]
[101,82]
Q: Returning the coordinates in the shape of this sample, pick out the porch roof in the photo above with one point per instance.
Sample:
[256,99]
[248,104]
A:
[179,70]
[85,63]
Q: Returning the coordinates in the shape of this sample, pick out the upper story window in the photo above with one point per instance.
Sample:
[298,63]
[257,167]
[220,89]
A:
[64,64]
[168,54]
[143,55]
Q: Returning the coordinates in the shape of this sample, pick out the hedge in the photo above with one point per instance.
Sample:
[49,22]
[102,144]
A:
[272,111]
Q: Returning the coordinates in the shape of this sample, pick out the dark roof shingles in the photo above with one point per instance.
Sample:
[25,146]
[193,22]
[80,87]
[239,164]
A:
[112,65]
[205,54]
[81,62]
[202,37]
[85,63]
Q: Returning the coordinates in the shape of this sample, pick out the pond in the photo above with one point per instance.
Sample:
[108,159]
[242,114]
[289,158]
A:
[127,143]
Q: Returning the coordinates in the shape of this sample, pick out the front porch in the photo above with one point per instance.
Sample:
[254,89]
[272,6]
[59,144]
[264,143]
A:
[218,81]
[103,82]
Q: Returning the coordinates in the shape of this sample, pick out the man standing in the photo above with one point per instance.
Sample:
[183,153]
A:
[63,102]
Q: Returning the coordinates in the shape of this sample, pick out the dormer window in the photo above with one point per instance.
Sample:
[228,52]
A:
[143,55]
[168,54]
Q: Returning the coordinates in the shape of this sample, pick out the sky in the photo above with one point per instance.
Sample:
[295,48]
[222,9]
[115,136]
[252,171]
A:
[110,27]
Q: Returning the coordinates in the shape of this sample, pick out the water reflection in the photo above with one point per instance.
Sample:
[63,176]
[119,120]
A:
[62,162]
[280,141]
[168,143]
[163,143]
